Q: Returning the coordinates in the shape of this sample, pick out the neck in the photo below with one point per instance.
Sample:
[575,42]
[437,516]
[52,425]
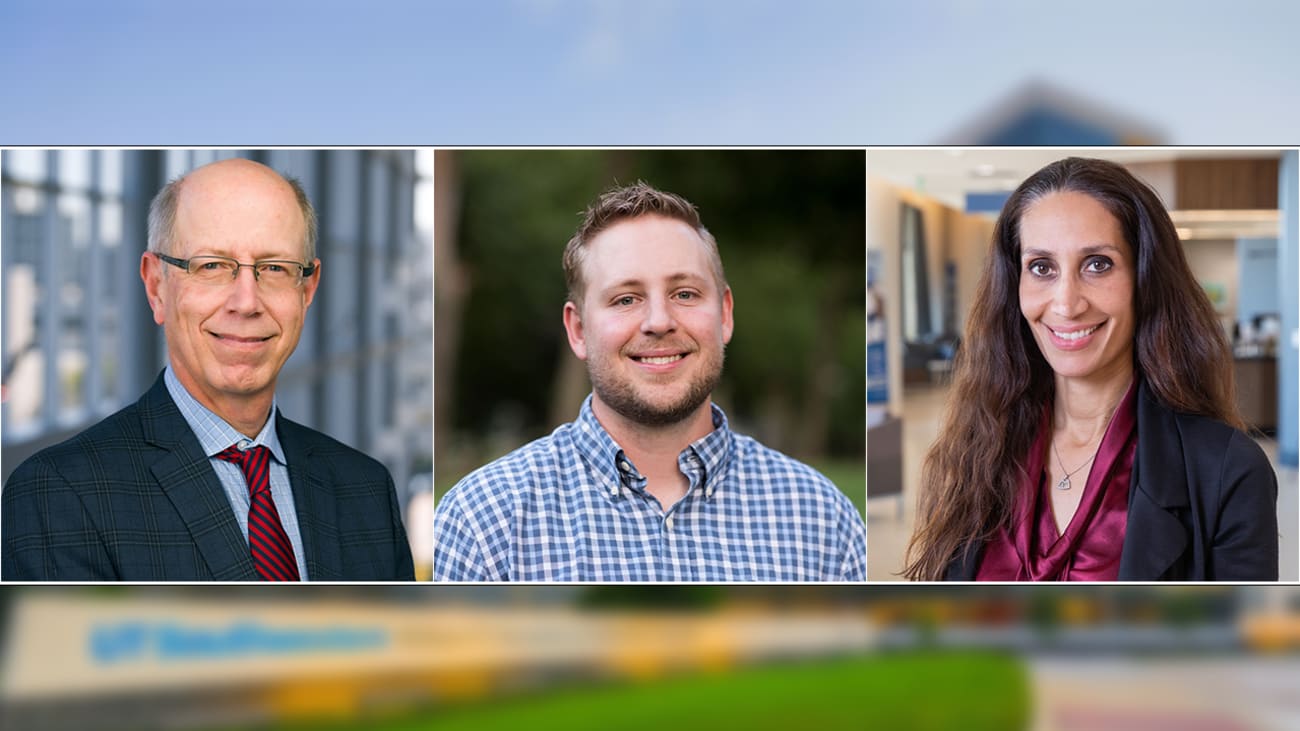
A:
[249,420]
[247,413]
[654,449]
[1083,407]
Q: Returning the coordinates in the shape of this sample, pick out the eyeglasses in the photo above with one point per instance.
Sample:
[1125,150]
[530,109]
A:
[214,270]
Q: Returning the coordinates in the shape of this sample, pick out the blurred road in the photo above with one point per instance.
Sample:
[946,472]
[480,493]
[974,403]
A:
[1189,694]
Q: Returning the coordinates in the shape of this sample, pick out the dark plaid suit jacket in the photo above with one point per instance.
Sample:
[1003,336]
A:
[134,498]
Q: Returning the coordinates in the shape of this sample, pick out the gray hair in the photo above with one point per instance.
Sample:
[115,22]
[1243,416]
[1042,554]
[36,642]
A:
[162,215]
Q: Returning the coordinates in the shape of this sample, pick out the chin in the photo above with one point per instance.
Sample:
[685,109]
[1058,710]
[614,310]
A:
[1075,370]
[244,383]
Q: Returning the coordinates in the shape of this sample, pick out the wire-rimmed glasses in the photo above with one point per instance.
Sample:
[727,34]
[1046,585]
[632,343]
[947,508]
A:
[214,270]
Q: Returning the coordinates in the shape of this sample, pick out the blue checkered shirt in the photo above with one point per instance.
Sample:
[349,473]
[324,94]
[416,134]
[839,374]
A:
[214,435]
[572,507]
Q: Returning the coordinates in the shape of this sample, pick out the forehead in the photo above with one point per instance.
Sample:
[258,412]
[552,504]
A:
[647,248]
[1067,220]
[241,211]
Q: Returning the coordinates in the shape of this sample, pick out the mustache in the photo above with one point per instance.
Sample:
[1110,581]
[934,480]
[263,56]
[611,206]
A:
[642,346]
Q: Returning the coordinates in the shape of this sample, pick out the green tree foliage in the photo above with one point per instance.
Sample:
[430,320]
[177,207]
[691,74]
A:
[791,228]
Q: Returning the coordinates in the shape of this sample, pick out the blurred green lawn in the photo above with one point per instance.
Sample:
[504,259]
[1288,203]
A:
[850,476]
[970,691]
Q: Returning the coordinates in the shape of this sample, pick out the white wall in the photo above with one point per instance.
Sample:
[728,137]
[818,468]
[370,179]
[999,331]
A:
[1215,260]
[1257,269]
[968,247]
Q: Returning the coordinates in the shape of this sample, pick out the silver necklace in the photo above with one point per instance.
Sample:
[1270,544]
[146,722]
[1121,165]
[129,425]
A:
[1064,484]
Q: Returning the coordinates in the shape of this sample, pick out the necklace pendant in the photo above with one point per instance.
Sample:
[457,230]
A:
[1064,484]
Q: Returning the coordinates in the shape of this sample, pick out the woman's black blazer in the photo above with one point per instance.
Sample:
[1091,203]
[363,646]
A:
[1202,504]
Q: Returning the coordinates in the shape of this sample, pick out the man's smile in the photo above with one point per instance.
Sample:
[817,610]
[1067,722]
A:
[658,359]
[241,342]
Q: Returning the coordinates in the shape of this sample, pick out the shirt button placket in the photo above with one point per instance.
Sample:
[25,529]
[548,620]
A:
[668,563]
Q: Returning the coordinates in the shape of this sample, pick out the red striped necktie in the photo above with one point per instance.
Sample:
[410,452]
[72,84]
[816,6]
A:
[269,544]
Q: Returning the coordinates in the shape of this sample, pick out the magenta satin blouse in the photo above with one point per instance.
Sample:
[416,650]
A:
[1035,550]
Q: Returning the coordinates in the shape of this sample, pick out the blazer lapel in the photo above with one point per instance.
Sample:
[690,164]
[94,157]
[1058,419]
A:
[966,564]
[314,502]
[189,482]
[1155,538]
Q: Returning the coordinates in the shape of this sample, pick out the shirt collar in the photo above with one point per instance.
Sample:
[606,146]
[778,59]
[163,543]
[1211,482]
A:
[711,452]
[213,432]
[714,450]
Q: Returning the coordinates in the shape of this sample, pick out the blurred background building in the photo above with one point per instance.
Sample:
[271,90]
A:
[1056,658]
[79,341]
[930,221]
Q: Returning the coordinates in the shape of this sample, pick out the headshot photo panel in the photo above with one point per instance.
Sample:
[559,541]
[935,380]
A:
[210,358]
[649,366]
[1078,366]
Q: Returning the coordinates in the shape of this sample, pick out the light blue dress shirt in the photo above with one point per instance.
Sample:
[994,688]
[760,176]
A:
[214,435]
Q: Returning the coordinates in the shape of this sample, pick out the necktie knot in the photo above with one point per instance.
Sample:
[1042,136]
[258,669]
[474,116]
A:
[254,462]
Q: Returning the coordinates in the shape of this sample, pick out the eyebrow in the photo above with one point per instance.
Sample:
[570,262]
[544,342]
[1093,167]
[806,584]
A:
[219,251]
[1085,251]
[672,278]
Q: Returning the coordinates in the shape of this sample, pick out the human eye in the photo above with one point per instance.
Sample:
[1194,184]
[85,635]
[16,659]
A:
[1098,264]
[276,269]
[211,268]
[1041,268]
[686,295]
[211,265]
[278,272]
[625,300]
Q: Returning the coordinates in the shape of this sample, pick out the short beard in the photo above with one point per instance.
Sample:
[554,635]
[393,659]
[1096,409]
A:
[624,401]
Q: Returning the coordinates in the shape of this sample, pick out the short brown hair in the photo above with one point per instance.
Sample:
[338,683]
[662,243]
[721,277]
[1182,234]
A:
[625,203]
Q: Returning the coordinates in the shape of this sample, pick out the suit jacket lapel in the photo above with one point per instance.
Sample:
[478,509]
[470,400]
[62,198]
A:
[1155,538]
[314,502]
[187,479]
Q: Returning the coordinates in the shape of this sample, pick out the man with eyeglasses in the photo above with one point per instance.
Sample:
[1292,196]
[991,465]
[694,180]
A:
[203,478]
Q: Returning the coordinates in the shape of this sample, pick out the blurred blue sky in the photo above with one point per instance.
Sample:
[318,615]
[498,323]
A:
[661,72]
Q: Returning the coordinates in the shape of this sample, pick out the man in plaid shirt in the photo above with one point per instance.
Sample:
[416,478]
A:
[649,483]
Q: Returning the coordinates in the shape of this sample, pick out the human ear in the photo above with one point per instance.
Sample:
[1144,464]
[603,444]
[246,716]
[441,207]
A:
[728,324]
[309,285]
[573,328]
[151,274]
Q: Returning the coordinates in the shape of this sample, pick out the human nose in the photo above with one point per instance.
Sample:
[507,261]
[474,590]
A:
[244,294]
[658,316]
[1068,298]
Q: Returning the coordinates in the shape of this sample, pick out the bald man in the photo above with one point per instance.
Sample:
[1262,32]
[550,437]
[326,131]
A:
[203,478]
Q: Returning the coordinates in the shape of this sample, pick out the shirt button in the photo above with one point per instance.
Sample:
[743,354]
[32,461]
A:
[668,522]
[623,465]
[244,444]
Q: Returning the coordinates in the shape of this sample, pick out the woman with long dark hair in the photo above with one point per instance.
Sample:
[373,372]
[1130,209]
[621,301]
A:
[1092,431]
